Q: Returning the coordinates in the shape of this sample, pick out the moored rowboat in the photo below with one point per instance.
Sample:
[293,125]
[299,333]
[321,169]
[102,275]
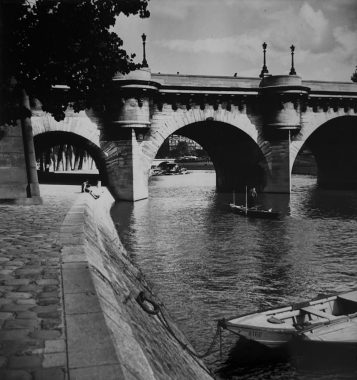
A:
[320,319]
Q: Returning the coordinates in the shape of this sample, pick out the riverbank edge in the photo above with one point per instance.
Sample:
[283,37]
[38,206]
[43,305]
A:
[109,336]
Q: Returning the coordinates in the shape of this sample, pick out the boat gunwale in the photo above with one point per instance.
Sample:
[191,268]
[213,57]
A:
[268,329]
[294,306]
[322,324]
[249,210]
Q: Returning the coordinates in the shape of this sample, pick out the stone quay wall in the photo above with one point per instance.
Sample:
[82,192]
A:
[68,290]
[109,336]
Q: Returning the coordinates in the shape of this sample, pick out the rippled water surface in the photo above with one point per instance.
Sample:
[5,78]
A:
[206,263]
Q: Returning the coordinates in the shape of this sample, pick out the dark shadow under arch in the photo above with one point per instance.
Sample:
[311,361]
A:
[334,146]
[237,158]
[47,140]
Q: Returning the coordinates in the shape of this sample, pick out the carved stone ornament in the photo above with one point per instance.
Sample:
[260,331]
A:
[303,105]
[335,106]
[140,101]
[315,105]
[241,105]
[132,102]
[346,106]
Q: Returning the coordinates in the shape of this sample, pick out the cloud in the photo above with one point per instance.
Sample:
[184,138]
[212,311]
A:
[347,44]
[221,36]
[307,29]
[170,9]
[337,5]
[315,21]
[245,44]
[180,9]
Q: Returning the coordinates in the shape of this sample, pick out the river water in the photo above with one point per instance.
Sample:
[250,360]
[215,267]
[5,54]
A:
[206,263]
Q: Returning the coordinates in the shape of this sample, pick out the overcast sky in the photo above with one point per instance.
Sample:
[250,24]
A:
[223,37]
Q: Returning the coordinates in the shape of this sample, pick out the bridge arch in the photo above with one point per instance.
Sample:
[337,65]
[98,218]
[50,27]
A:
[333,142]
[77,124]
[229,137]
[76,130]
[167,122]
[311,121]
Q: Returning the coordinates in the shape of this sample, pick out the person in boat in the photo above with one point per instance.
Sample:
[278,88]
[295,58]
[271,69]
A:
[87,189]
[252,197]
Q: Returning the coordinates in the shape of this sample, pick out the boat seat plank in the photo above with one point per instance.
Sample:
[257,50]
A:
[349,296]
[342,332]
[318,313]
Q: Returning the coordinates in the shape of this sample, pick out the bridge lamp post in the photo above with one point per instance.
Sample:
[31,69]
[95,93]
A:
[292,71]
[264,69]
[145,64]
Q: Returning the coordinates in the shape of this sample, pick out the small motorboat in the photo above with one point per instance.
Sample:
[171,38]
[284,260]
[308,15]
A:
[168,168]
[328,319]
[154,171]
[255,212]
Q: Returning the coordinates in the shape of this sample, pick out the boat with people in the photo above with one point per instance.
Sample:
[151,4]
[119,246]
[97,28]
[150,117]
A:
[324,320]
[255,211]
[167,168]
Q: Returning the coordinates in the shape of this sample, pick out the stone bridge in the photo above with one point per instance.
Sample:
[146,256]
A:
[251,128]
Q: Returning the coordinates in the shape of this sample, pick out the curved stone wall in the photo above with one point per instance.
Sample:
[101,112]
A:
[109,336]
[76,123]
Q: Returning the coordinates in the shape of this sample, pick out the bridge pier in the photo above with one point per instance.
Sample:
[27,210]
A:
[279,180]
[281,108]
[127,176]
[122,132]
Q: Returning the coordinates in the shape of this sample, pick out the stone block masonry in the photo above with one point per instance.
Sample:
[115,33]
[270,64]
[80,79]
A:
[67,298]
[32,332]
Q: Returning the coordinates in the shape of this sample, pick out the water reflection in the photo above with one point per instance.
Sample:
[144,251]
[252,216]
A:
[206,263]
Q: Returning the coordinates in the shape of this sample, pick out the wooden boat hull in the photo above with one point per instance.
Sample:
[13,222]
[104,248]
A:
[314,354]
[255,213]
[272,338]
[326,319]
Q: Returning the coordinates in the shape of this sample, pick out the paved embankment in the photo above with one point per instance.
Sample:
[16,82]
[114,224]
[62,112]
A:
[68,291]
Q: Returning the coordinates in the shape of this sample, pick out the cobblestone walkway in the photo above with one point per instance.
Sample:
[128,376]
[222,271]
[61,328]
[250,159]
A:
[32,335]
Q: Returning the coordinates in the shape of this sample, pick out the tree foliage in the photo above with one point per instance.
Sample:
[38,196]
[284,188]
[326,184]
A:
[183,148]
[46,43]
[354,76]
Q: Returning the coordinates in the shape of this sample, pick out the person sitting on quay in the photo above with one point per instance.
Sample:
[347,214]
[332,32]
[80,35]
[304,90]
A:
[252,197]
[87,189]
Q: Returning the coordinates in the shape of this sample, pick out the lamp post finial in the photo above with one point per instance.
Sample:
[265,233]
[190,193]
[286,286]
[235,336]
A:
[264,69]
[145,63]
[292,70]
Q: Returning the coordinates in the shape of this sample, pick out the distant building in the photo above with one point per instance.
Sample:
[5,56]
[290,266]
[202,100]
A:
[174,140]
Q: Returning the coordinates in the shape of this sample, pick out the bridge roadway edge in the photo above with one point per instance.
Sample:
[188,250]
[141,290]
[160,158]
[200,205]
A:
[108,335]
